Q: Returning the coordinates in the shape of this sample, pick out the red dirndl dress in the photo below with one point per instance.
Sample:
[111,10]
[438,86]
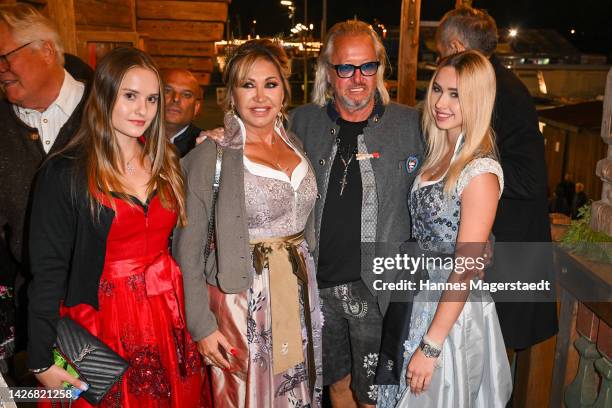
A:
[141,314]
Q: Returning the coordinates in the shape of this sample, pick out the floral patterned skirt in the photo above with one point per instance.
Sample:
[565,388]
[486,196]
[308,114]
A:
[141,317]
[245,320]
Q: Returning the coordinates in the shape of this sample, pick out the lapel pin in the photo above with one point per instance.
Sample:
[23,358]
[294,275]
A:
[367,156]
[412,163]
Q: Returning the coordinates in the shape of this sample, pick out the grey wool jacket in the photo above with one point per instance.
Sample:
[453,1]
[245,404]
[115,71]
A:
[393,131]
[229,267]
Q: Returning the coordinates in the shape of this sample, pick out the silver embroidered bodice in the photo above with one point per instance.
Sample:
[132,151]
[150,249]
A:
[274,208]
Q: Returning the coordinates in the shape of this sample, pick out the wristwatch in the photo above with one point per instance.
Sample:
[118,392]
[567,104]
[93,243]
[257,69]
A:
[429,348]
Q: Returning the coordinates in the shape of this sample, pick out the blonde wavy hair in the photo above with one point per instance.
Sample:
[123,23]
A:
[27,24]
[245,56]
[99,151]
[323,91]
[476,89]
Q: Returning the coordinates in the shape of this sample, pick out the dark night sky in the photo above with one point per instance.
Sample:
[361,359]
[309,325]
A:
[592,19]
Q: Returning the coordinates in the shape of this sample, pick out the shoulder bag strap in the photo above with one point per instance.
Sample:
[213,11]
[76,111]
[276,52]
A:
[210,241]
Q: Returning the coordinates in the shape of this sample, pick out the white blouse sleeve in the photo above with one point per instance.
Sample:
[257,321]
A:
[480,166]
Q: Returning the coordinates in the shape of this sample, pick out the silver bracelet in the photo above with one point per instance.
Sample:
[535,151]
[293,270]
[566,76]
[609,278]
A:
[39,370]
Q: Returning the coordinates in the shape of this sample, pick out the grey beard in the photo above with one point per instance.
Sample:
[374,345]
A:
[352,106]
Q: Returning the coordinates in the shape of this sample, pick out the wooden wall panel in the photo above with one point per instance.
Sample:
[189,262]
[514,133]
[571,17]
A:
[180,30]
[202,77]
[585,149]
[180,48]
[190,63]
[62,13]
[181,10]
[104,15]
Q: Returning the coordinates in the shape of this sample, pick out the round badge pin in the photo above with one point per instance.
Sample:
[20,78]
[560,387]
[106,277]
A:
[412,163]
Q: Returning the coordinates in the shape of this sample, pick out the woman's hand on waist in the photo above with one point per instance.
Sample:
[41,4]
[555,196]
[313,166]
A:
[215,348]
[54,378]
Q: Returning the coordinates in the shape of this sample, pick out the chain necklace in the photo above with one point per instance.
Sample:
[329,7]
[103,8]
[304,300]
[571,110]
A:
[346,162]
[130,169]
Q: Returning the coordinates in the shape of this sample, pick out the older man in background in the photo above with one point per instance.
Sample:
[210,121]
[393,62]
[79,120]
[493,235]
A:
[522,214]
[39,113]
[183,102]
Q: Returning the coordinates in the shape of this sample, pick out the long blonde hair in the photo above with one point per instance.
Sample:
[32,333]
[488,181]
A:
[98,147]
[476,89]
[322,90]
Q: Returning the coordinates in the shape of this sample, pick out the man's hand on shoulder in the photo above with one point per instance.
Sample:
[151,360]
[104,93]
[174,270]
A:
[214,134]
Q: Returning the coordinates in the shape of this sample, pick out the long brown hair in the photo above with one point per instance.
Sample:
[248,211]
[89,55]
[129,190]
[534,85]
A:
[97,143]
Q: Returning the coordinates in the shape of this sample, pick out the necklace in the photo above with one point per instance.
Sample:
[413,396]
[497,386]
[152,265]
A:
[345,162]
[130,169]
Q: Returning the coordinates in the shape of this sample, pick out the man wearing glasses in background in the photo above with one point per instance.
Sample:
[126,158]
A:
[40,111]
[365,151]
[183,101]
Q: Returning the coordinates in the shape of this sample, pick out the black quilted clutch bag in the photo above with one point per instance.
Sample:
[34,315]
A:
[96,363]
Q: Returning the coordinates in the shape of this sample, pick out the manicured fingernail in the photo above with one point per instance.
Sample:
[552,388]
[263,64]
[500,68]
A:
[234,352]
[76,393]
[84,386]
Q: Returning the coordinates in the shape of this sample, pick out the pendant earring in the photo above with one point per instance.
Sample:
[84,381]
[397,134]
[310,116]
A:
[279,120]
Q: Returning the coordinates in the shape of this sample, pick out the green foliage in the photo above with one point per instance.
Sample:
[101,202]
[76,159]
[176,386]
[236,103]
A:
[582,240]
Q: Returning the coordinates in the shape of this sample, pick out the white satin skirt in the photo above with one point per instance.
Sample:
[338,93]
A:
[474,371]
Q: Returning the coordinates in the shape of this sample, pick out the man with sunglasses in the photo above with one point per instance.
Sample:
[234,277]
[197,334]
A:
[40,110]
[365,151]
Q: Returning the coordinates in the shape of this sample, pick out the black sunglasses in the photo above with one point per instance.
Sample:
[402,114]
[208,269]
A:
[348,70]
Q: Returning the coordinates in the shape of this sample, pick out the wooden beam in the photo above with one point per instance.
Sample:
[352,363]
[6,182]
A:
[107,15]
[190,63]
[134,19]
[180,48]
[408,51]
[181,10]
[181,30]
[534,375]
[62,12]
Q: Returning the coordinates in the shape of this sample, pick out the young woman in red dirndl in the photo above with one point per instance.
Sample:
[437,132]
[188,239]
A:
[102,214]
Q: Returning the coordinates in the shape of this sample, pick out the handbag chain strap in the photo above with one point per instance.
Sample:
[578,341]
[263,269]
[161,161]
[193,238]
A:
[210,241]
